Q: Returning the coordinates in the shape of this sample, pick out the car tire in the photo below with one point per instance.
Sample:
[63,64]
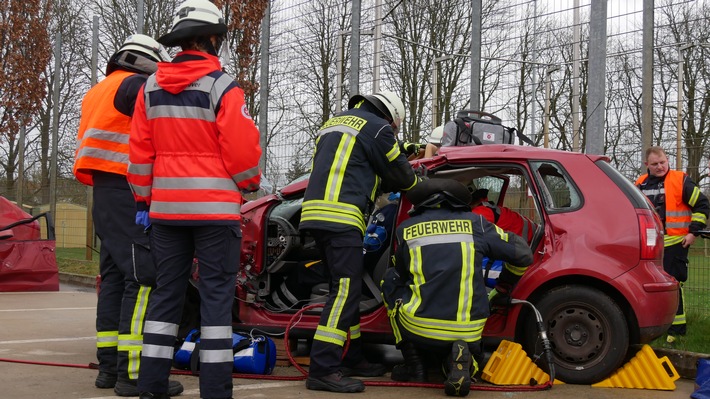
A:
[587,331]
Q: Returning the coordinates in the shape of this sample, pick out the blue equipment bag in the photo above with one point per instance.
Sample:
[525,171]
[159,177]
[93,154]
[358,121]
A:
[491,271]
[252,355]
[256,356]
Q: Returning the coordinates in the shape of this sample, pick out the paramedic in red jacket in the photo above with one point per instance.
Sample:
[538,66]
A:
[503,217]
[194,150]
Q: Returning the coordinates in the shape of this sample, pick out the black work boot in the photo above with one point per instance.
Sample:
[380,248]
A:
[149,395]
[413,369]
[335,383]
[105,380]
[458,373]
[364,369]
[127,387]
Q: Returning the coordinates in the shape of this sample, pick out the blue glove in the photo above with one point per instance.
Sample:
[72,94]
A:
[142,219]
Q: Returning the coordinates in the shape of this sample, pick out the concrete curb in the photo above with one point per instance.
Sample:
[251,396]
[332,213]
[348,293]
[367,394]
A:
[77,279]
[685,363]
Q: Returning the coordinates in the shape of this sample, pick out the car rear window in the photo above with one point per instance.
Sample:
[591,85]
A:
[627,187]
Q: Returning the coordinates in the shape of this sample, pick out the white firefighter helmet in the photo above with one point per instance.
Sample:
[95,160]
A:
[387,102]
[436,135]
[194,18]
[138,53]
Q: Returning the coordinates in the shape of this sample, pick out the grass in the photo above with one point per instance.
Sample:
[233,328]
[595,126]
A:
[73,260]
[696,339]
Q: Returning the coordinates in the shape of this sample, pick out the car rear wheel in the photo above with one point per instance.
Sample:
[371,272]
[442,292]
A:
[587,331]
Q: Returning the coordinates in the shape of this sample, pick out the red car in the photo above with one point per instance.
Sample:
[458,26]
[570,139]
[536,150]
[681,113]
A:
[27,261]
[597,278]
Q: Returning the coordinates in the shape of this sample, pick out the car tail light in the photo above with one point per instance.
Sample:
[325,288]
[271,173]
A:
[651,235]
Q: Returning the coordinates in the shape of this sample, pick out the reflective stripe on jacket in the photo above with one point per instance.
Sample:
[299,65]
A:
[102,142]
[438,260]
[680,212]
[193,146]
[355,151]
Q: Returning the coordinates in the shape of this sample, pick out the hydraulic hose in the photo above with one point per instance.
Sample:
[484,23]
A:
[546,346]
[294,320]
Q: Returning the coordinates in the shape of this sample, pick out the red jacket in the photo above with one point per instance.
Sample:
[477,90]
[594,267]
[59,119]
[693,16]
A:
[507,220]
[193,144]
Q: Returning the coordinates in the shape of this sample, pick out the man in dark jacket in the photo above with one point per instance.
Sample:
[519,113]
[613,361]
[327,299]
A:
[684,211]
[355,150]
[435,295]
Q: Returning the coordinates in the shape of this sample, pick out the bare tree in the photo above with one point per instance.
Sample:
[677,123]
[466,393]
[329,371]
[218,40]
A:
[25,50]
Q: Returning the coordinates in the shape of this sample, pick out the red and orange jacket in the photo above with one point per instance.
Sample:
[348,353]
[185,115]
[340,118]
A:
[102,142]
[193,147]
[507,220]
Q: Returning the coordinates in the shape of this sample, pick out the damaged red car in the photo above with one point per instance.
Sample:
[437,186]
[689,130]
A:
[597,278]
[27,259]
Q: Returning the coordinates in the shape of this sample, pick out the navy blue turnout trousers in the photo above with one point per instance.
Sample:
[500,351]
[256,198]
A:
[217,249]
[342,252]
[124,258]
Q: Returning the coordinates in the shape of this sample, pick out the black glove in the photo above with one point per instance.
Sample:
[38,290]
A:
[500,295]
[408,148]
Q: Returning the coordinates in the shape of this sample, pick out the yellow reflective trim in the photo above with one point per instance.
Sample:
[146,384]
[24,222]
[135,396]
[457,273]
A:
[463,313]
[355,332]
[341,296]
[337,168]
[694,197]
[351,121]
[330,335]
[106,339]
[437,227]
[348,145]
[699,217]
[415,267]
[503,235]
[373,193]
[672,240]
[469,332]
[394,152]
[516,270]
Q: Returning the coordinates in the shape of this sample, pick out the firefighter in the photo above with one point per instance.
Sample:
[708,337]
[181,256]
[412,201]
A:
[683,210]
[355,150]
[101,161]
[435,294]
[194,149]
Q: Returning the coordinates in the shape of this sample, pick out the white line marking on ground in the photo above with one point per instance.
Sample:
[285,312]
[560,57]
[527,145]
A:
[34,341]
[43,309]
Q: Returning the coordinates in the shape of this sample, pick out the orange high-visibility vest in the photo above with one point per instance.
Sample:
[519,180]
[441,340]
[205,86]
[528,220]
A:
[678,214]
[102,142]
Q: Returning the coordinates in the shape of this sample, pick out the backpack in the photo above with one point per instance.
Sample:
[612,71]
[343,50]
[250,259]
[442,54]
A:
[477,127]
[252,354]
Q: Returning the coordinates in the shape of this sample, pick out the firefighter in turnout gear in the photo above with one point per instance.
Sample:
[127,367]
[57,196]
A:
[435,294]
[355,151]
[683,210]
[101,161]
[194,149]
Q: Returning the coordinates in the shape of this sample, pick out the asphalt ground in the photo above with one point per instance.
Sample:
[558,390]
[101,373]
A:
[52,335]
